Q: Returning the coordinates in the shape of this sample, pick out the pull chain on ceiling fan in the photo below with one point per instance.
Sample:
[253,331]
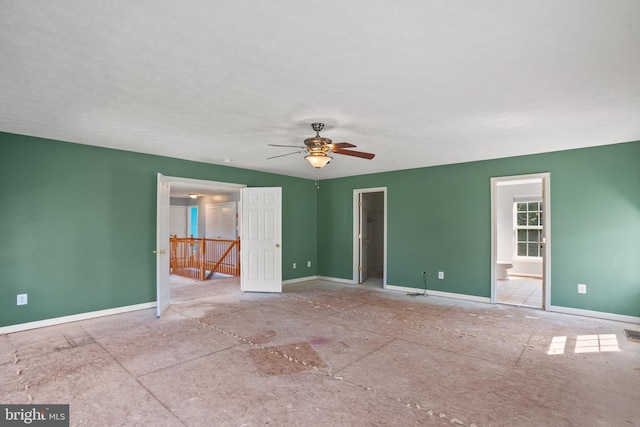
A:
[318,149]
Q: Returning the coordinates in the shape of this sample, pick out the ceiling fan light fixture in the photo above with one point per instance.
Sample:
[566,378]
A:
[318,148]
[318,160]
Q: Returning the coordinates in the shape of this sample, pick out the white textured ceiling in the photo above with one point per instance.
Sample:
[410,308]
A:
[419,83]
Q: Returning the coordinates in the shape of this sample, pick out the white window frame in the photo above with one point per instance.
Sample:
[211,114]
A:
[540,228]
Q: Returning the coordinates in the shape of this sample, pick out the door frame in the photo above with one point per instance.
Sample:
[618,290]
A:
[545,177]
[356,227]
[162,281]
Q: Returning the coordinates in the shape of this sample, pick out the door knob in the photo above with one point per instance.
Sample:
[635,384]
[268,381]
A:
[277,245]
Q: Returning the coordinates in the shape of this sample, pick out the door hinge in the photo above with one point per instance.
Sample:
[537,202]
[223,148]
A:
[359,268]
[359,236]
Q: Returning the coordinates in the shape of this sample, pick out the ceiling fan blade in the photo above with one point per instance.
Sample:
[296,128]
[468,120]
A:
[282,155]
[360,154]
[342,145]
[292,146]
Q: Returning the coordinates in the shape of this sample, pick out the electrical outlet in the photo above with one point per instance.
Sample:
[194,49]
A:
[308,263]
[582,288]
[440,274]
[22,299]
[294,265]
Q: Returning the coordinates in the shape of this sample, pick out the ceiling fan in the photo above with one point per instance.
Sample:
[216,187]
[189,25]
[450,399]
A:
[318,148]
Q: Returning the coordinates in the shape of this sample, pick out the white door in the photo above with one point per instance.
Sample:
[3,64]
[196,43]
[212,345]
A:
[162,245]
[364,239]
[260,241]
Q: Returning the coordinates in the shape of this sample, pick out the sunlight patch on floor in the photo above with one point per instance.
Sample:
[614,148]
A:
[597,343]
[557,345]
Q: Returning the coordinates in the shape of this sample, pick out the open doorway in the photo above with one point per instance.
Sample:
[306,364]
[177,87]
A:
[520,240]
[204,232]
[370,237]
[260,228]
[206,243]
[181,209]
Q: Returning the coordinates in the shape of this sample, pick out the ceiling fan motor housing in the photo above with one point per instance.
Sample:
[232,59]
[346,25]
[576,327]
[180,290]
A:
[317,141]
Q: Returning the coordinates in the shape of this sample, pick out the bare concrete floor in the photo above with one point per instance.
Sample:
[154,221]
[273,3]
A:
[328,354]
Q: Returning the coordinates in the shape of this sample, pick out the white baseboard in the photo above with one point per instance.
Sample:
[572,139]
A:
[336,279]
[410,290]
[440,294]
[74,318]
[298,280]
[118,310]
[328,279]
[596,314]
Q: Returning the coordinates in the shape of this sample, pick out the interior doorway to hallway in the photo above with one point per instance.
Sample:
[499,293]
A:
[370,237]
[176,187]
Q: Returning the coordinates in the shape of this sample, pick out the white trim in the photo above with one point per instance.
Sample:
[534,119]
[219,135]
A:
[525,199]
[441,294]
[213,185]
[298,280]
[596,314]
[356,244]
[407,289]
[338,280]
[546,214]
[75,317]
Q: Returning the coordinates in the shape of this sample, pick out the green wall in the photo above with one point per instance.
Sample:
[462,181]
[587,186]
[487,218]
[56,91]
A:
[439,219]
[78,224]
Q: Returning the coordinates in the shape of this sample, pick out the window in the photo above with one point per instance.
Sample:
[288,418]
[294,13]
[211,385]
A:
[193,221]
[528,228]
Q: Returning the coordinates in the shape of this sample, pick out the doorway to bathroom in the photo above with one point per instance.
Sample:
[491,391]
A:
[520,240]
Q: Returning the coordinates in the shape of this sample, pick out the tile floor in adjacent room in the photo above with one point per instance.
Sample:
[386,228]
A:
[520,290]
[328,354]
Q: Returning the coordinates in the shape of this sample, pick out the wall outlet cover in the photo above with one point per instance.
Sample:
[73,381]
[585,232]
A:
[22,299]
[308,263]
[440,274]
[294,265]
[582,288]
